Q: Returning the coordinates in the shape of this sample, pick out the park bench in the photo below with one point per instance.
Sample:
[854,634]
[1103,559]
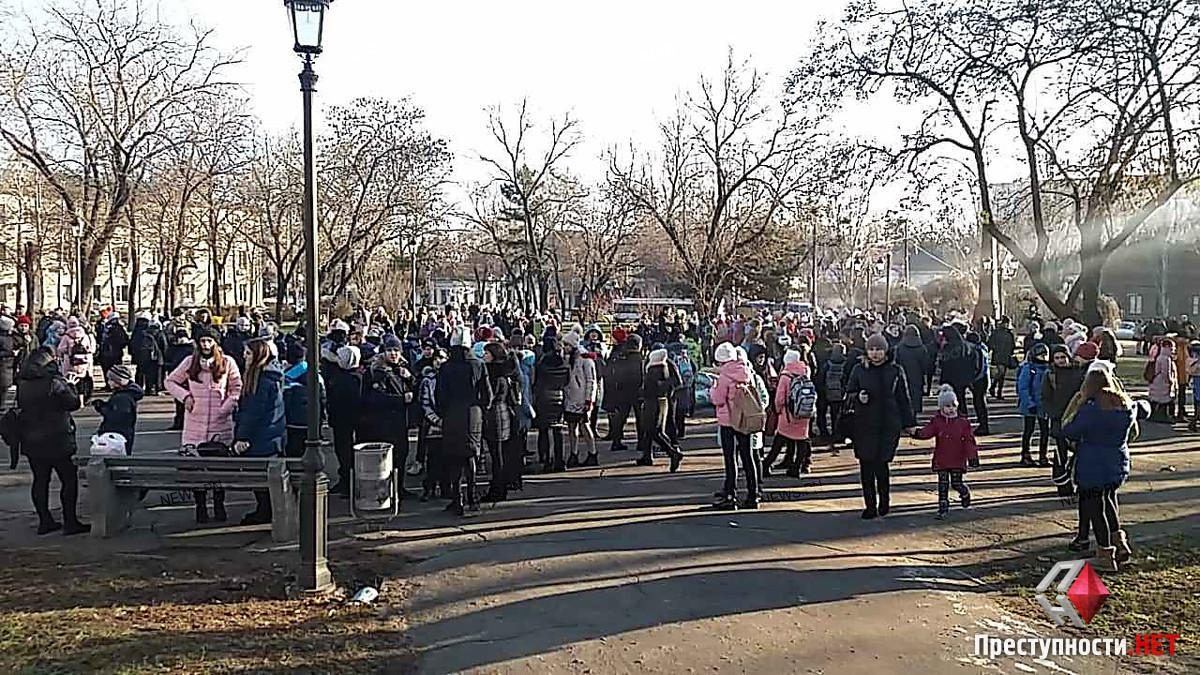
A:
[114,485]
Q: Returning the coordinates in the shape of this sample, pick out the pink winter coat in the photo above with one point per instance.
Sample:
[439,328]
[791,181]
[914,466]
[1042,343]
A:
[1165,386]
[729,374]
[81,364]
[214,403]
[794,428]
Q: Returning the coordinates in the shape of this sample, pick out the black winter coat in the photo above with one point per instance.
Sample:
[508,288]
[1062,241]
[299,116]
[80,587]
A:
[234,346]
[623,382]
[8,357]
[148,345]
[958,361]
[344,392]
[1003,345]
[462,392]
[550,377]
[46,401]
[119,413]
[877,424]
[912,356]
[384,401]
[112,347]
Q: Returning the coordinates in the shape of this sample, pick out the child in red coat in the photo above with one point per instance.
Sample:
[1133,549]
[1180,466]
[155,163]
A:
[955,450]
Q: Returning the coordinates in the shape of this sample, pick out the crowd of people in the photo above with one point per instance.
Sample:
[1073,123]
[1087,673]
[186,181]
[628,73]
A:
[473,384]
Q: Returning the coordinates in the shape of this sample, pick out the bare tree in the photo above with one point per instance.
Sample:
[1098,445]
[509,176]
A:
[87,96]
[271,190]
[729,159]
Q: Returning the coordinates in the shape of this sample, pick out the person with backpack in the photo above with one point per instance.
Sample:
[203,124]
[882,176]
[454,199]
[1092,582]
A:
[498,416]
[877,392]
[147,350]
[740,398]
[955,450]
[208,385]
[1163,378]
[659,384]
[912,356]
[982,382]
[1030,377]
[795,403]
[113,339]
[76,350]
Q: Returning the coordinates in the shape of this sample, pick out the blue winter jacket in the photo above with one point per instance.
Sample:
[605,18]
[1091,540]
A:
[525,414]
[1029,389]
[1102,457]
[295,395]
[260,419]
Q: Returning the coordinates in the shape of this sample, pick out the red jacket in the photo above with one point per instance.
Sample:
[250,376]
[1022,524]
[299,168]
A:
[956,445]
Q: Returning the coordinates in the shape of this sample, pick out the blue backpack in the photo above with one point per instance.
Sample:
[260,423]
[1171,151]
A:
[687,371]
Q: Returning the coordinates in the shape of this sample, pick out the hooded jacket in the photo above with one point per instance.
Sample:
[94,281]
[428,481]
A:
[1058,388]
[914,358]
[46,401]
[622,384]
[119,413]
[580,392]
[345,396]
[261,417]
[76,350]
[1030,377]
[795,429]
[1165,386]
[1003,344]
[551,376]
[729,375]
[505,390]
[113,341]
[462,393]
[958,360]
[147,345]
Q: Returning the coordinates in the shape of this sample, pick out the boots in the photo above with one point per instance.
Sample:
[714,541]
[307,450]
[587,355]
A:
[1106,559]
[73,526]
[1121,543]
[48,525]
[201,506]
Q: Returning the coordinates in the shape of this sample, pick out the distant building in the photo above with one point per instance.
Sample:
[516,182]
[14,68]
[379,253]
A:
[1154,278]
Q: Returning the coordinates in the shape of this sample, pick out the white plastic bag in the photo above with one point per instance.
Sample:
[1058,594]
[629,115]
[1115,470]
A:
[108,444]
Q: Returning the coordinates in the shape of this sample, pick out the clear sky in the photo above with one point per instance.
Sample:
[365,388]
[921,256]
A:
[617,65]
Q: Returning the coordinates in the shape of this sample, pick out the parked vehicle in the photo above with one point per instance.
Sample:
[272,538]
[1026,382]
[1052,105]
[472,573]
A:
[1128,330]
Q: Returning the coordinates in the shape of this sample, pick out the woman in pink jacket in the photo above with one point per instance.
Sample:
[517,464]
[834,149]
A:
[208,384]
[734,371]
[75,353]
[1165,385]
[793,429]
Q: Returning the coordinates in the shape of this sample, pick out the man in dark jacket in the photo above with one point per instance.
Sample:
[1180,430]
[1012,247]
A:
[550,376]
[912,356]
[47,400]
[234,342]
[1004,347]
[345,402]
[148,350]
[388,390]
[622,390]
[461,392]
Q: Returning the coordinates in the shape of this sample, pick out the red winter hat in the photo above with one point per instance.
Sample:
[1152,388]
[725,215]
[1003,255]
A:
[620,335]
[24,320]
[484,334]
[1088,351]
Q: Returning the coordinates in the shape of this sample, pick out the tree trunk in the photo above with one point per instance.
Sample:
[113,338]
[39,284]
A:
[1091,268]
[32,266]
[135,266]
[280,290]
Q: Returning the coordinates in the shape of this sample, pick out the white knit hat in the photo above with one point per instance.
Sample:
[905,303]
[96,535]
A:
[657,357]
[946,397]
[791,356]
[725,353]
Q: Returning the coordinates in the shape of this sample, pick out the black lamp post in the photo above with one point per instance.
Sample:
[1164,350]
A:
[308,24]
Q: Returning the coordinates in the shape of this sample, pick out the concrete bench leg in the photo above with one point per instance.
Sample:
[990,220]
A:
[109,505]
[284,523]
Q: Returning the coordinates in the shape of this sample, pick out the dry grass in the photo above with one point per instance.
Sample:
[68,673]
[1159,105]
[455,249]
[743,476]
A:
[64,613]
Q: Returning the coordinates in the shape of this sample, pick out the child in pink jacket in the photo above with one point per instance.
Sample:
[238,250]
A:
[954,451]
[793,429]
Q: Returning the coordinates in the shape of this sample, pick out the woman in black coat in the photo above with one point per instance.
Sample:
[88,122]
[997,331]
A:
[462,393]
[550,377]
[47,438]
[498,417]
[344,402]
[877,390]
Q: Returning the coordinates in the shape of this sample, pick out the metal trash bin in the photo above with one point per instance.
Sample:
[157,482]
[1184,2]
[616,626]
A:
[375,486]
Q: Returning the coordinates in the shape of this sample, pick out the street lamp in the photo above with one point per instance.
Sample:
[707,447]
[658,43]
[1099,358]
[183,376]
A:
[308,27]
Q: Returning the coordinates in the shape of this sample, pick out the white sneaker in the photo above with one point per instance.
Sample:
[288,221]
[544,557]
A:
[415,469]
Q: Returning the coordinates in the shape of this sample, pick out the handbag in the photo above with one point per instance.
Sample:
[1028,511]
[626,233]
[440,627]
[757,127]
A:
[213,448]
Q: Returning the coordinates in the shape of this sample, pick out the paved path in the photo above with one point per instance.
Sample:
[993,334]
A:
[625,569]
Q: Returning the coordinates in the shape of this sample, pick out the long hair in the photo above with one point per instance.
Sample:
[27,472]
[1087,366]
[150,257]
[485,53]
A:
[219,365]
[1099,386]
[260,358]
